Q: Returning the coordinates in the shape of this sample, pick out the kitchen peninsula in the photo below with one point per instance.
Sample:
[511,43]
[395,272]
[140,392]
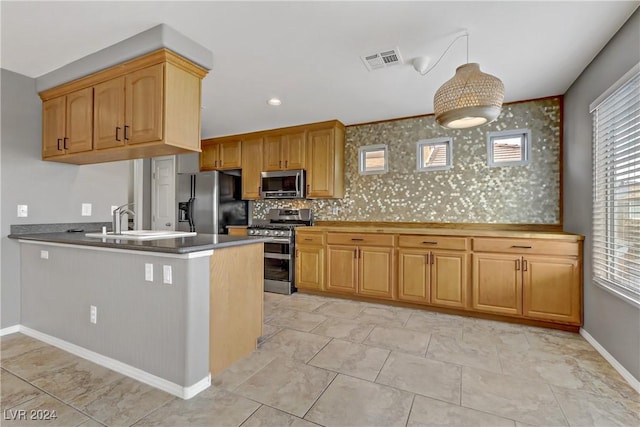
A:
[169,312]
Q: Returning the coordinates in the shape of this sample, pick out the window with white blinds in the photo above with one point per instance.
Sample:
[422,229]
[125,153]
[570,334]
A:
[616,189]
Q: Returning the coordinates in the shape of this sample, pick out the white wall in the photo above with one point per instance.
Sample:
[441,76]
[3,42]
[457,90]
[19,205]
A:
[53,191]
[614,323]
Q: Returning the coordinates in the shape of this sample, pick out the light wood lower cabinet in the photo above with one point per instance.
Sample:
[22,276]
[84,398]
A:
[433,277]
[527,278]
[527,284]
[551,289]
[342,269]
[310,267]
[241,231]
[497,284]
[361,268]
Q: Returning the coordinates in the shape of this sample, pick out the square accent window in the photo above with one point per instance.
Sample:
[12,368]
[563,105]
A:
[434,154]
[373,159]
[509,147]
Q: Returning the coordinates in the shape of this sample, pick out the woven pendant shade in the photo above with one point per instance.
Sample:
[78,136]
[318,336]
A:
[471,98]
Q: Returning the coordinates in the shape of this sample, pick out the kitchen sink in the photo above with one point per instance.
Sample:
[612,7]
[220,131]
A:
[143,235]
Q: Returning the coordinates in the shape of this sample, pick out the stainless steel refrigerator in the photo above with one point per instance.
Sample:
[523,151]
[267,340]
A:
[208,202]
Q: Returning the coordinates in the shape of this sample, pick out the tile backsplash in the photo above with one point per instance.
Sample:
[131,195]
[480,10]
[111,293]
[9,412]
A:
[469,192]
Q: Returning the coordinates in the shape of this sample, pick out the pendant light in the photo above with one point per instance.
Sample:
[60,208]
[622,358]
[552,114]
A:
[471,98]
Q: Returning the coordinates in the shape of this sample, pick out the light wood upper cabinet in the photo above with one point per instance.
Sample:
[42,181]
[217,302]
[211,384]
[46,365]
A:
[284,152]
[146,107]
[551,289]
[53,126]
[251,163]
[108,114]
[221,154]
[325,163]
[67,124]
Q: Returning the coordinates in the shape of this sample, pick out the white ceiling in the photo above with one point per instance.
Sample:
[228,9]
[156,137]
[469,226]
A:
[308,53]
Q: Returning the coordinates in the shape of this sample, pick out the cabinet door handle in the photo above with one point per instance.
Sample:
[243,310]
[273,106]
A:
[117,133]
[517,265]
[59,141]
[307,189]
[297,252]
[521,247]
[433,258]
[65,142]
[286,163]
[524,265]
[359,252]
[126,128]
[280,163]
[429,243]
[355,253]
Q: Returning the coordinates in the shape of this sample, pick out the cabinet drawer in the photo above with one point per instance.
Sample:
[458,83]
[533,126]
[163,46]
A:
[360,239]
[526,246]
[433,242]
[303,238]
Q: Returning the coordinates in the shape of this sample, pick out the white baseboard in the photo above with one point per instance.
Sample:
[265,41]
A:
[633,382]
[122,368]
[10,330]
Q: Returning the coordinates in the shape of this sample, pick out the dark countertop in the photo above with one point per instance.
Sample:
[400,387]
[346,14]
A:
[179,245]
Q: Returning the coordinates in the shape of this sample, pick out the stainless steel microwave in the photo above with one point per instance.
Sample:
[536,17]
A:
[283,184]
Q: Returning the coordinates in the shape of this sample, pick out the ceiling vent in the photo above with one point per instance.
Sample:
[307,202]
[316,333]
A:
[382,59]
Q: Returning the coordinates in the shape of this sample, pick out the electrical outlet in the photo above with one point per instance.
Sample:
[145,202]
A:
[23,211]
[93,314]
[148,272]
[166,273]
[335,210]
[44,254]
[86,209]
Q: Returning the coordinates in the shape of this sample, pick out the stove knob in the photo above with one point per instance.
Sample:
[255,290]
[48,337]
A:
[266,232]
[251,232]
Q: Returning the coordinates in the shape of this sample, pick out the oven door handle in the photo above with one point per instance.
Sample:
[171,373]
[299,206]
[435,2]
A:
[277,256]
[287,241]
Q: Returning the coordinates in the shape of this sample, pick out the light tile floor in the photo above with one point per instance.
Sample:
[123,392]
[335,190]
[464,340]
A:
[331,362]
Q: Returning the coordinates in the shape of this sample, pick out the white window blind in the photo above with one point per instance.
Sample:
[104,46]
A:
[616,190]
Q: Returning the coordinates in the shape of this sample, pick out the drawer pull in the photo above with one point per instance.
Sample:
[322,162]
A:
[357,240]
[521,247]
[308,239]
[429,243]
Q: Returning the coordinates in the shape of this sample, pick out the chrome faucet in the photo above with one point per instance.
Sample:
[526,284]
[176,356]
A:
[117,217]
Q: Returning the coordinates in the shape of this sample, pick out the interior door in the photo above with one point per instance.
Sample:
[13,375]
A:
[163,193]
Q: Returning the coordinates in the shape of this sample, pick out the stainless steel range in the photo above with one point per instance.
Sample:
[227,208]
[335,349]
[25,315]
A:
[279,253]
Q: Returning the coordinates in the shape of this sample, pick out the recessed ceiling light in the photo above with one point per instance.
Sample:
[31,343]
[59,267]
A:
[274,102]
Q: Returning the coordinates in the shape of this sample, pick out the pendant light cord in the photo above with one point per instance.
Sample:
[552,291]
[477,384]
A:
[447,50]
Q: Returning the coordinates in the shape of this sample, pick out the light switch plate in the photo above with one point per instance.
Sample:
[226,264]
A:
[44,254]
[148,272]
[166,273]
[86,209]
[23,211]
